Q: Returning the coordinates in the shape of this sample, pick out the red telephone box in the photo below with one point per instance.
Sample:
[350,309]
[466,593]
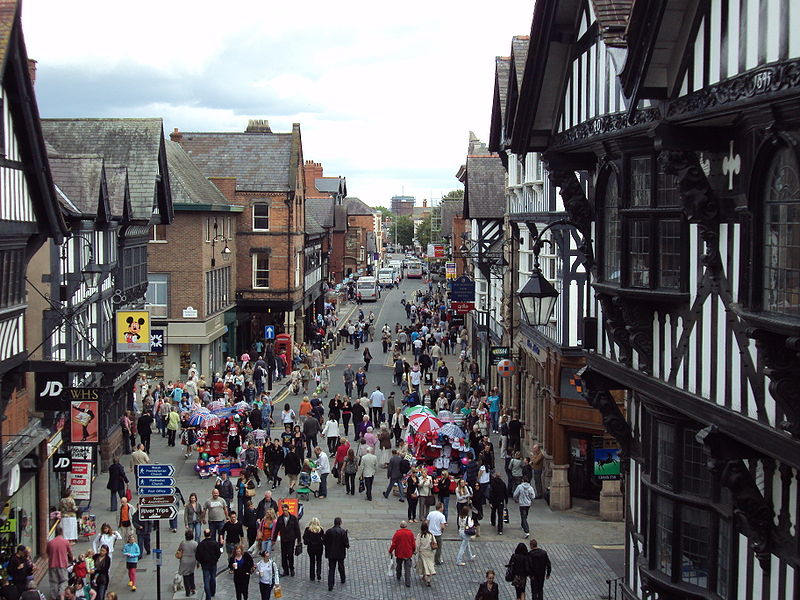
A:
[283,343]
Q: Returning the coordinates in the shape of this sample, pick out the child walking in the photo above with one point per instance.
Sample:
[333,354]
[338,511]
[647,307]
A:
[132,553]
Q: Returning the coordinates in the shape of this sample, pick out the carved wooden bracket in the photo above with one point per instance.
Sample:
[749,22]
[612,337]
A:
[638,318]
[701,205]
[578,208]
[596,390]
[753,513]
[782,366]
[615,326]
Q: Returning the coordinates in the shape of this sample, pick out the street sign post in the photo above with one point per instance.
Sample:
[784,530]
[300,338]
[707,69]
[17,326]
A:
[269,332]
[462,290]
[156,491]
[165,500]
[155,513]
[155,470]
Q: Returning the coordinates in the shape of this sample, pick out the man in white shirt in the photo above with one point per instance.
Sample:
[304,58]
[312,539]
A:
[416,378]
[376,399]
[324,469]
[436,524]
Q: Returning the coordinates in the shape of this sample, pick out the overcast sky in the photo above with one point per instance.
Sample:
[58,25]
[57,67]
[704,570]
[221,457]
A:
[385,94]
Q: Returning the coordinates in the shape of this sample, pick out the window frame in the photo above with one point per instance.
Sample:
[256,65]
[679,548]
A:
[656,493]
[253,270]
[257,204]
[156,313]
[758,299]
[602,188]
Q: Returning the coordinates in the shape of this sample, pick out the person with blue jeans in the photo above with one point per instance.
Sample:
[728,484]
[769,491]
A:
[215,513]
[324,469]
[494,410]
[207,554]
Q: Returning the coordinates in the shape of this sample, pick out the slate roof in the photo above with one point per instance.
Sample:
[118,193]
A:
[79,178]
[612,18]
[260,162]
[519,53]
[117,182]
[484,188]
[188,184]
[321,209]
[331,185]
[133,143]
[355,206]
[450,208]
[340,218]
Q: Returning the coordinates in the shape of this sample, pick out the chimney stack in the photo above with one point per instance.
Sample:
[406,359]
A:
[176,136]
[258,126]
[424,203]
[32,70]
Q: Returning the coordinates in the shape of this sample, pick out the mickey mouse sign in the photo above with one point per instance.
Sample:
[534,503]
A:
[133,331]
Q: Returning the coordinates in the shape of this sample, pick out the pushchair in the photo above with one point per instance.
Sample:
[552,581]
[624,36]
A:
[308,483]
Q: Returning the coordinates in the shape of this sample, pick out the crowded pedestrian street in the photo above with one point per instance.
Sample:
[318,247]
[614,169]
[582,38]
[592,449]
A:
[584,551]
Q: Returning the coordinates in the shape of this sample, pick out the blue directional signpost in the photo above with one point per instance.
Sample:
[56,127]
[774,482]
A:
[156,487]
[269,332]
[462,295]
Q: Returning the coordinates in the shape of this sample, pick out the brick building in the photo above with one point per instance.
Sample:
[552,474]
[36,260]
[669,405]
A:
[192,276]
[263,172]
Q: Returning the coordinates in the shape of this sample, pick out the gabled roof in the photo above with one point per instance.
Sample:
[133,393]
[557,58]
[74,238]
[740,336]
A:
[331,185]
[553,38]
[356,207]
[260,161]
[20,98]
[321,209]
[484,188]
[501,72]
[189,185]
[81,179]
[134,143]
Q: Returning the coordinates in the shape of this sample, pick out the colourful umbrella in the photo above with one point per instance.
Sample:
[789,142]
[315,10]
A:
[445,416]
[452,431]
[423,423]
[241,405]
[418,410]
[216,404]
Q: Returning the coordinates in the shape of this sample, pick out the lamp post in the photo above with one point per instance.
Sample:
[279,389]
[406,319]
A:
[225,252]
[537,298]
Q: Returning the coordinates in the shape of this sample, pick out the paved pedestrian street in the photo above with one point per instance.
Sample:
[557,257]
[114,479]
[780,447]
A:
[579,570]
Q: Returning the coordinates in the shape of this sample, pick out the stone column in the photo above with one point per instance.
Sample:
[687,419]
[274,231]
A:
[560,498]
[611,501]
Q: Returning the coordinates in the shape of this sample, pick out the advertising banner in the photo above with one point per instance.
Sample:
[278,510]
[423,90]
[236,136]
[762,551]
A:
[133,331]
[462,290]
[84,422]
[79,480]
[498,353]
[606,463]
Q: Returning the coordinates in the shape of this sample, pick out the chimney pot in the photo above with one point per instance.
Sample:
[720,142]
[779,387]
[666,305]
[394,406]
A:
[176,136]
[258,126]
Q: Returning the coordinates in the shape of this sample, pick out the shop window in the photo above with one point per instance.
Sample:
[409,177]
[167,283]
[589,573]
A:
[260,270]
[260,216]
[781,269]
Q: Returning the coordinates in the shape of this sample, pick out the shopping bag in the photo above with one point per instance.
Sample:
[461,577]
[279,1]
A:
[505,515]
[361,486]
[128,494]
[390,568]
[277,591]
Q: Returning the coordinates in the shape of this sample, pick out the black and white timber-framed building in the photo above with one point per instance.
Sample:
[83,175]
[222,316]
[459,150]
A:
[672,131]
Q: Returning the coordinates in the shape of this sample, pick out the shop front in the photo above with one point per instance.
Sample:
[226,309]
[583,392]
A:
[205,343]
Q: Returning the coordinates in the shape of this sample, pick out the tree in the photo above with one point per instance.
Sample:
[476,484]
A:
[385,212]
[454,195]
[402,230]
[424,232]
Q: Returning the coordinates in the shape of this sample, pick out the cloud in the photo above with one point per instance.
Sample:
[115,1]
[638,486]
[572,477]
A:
[385,94]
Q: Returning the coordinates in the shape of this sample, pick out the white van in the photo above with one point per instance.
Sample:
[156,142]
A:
[386,277]
[368,288]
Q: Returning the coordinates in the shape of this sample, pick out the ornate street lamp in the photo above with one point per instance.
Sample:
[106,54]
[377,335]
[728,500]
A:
[225,252]
[92,273]
[537,298]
